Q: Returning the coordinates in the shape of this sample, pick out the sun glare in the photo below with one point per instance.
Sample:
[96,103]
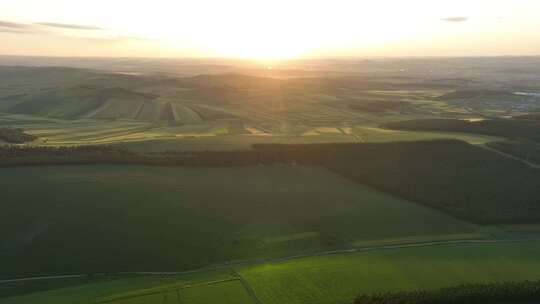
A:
[262,49]
[278,29]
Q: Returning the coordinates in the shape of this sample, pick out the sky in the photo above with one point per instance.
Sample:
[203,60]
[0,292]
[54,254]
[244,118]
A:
[269,29]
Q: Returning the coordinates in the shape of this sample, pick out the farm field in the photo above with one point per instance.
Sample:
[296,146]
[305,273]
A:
[228,291]
[310,183]
[340,278]
[327,279]
[137,218]
[378,135]
[146,137]
[137,289]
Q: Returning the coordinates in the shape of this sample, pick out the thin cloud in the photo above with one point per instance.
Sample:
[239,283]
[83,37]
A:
[113,39]
[12,31]
[15,28]
[7,27]
[13,25]
[455,19]
[70,26]
[44,28]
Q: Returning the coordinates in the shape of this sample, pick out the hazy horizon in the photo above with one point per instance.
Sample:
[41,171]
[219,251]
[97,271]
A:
[270,30]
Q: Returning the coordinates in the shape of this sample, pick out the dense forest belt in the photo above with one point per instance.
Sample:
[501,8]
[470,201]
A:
[503,293]
[466,181]
[510,128]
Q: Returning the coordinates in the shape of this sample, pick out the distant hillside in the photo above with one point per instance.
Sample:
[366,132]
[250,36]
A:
[79,101]
[231,80]
[74,94]
[42,76]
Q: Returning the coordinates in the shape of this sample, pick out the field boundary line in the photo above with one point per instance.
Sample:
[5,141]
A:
[228,265]
[510,156]
[52,277]
[178,297]
[165,290]
[247,287]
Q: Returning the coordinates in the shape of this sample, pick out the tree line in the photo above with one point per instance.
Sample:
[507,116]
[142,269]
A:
[15,136]
[495,293]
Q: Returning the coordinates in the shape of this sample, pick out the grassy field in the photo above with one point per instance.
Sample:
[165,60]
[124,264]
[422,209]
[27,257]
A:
[205,288]
[375,135]
[137,218]
[338,279]
[142,289]
[317,280]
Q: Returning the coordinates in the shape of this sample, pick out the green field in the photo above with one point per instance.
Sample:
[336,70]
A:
[139,289]
[318,280]
[338,279]
[208,287]
[137,218]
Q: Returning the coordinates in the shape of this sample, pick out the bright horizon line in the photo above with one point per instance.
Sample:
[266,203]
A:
[270,59]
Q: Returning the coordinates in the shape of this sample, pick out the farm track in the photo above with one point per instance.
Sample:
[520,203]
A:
[139,110]
[247,287]
[513,157]
[157,292]
[175,115]
[185,114]
[229,265]
[94,112]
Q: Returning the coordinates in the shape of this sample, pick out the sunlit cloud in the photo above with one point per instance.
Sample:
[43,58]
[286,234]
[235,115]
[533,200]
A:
[455,19]
[70,26]
[13,25]
[15,28]
[69,34]
[43,27]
